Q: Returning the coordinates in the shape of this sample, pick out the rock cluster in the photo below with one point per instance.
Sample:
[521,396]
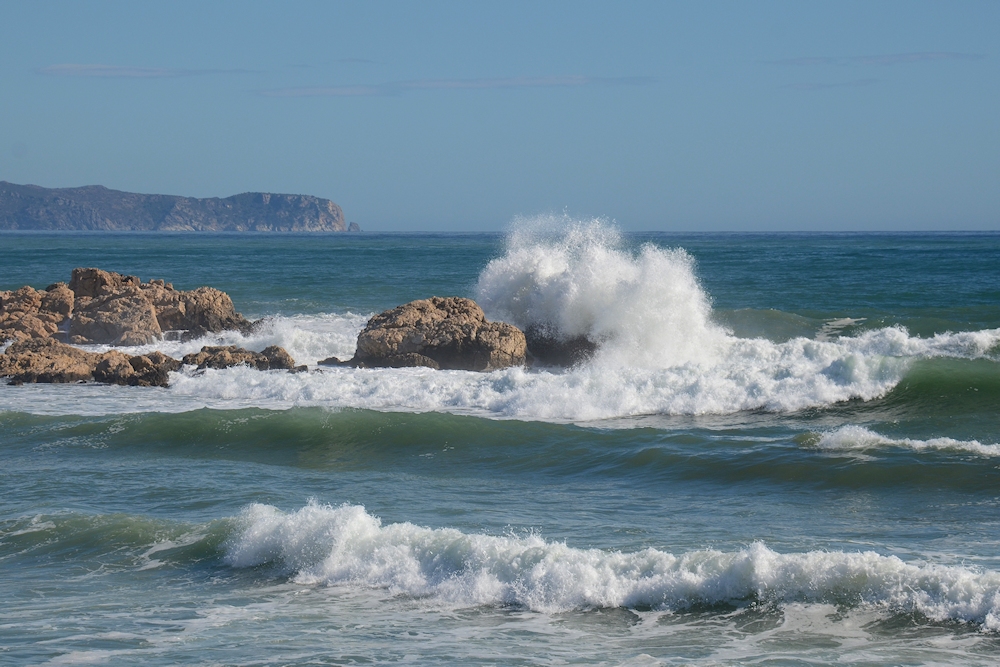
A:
[270,358]
[447,333]
[104,307]
[48,360]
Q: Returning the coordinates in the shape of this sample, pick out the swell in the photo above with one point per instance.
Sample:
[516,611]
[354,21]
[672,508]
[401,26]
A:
[320,545]
[800,452]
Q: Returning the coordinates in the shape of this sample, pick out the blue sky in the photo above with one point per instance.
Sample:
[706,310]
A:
[460,116]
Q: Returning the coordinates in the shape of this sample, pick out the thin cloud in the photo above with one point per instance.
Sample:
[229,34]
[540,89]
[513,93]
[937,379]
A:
[399,87]
[118,71]
[859,83]
[887,59]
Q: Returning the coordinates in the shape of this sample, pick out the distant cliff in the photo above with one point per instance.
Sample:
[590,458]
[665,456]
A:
[94,207]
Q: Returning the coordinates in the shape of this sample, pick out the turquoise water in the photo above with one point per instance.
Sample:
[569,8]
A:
[787,451]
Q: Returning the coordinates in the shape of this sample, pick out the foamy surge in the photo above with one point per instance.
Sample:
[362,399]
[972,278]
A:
[858,438]
[660,350]
[347,546]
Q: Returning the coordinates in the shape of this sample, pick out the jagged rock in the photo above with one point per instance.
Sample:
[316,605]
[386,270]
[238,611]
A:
[124,317]
[48,360]
[548,348]
[28,313]
[270,358]
[354,227]
[90,282]
[139,371]
[104,307]
[451,333]
[204,309]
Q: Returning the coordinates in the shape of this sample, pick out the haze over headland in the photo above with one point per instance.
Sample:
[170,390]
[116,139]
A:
[461,116]
[96,208]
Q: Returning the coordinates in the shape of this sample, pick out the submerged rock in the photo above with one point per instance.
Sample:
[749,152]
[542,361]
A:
[270,358]
[447,333]
[547,347]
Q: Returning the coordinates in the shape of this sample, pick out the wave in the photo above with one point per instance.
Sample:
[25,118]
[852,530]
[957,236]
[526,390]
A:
[662,350]
[324,545]
[859,438]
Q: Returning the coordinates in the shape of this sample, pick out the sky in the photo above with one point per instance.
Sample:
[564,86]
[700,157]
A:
[461,116]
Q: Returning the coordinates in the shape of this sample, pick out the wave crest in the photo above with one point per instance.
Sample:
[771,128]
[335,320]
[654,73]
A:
[345,545]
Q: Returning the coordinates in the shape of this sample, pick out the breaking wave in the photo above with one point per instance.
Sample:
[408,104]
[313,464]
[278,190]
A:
[324,545]
[661,350]
[859,438]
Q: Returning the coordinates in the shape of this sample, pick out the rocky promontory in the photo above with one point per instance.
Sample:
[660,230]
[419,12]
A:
[96,208]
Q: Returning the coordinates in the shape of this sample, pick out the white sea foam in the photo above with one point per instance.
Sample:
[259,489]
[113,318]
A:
[345,545]
[859,438]
[661,351]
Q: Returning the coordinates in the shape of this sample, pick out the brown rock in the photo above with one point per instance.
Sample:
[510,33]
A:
[451,332]
[28,313]
[46,360]
[202,309]
[270,358]
[123,317]
[90,282]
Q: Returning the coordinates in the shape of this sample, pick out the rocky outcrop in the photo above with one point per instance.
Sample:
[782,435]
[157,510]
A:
[29,313]
[95,207]
[447,333]
[270,358]
[104,307]
[546,347]
[48,360]
[147,370]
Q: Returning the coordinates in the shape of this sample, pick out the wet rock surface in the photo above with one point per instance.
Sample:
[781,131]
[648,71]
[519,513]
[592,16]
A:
[270,358]
[440,332]
[46,360]
[547,347]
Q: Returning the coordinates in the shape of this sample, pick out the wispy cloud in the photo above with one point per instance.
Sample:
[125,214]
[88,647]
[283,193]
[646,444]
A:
[859,83]
[399,87]
[118,71]
[886,59]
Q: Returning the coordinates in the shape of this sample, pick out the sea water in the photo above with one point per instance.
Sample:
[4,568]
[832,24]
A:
[786,450]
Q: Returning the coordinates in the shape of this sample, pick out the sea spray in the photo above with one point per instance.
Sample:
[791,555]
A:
[577,278]
[320,544]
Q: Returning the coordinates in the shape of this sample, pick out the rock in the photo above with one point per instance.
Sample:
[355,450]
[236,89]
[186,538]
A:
[124,317]
[48,360]
[205,309]
[104,307]
[270,358]
[90,282]
[139,371]
[28,313]
[353,227]
[451,333]
[547,347]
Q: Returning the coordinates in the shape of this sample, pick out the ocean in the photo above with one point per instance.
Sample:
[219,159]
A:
[786,451]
